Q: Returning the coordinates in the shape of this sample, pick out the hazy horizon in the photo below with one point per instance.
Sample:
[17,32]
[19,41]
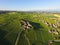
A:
[29,5]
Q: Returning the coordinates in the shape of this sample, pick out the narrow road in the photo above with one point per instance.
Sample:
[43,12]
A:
[16,43]
[27,39]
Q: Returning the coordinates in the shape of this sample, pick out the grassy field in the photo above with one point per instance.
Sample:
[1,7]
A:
[12,33]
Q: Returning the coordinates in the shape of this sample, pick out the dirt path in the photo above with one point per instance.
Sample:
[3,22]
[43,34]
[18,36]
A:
[16,43]
[20,33]
[27,39]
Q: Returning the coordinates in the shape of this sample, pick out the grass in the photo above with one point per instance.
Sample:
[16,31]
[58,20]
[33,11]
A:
[10,27]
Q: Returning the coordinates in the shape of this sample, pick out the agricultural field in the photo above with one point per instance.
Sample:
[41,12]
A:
[29,28]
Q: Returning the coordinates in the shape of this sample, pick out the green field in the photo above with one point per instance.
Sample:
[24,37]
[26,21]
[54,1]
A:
[12,33]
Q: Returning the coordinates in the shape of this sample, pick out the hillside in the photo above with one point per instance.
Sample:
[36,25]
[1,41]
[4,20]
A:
[45,29]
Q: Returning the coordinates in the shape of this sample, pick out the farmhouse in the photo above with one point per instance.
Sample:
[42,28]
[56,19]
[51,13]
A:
[26,24]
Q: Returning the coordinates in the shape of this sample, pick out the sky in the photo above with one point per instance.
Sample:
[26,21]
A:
[26,5]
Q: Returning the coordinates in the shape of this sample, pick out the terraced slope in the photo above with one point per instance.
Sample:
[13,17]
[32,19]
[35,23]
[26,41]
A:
[12,33]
